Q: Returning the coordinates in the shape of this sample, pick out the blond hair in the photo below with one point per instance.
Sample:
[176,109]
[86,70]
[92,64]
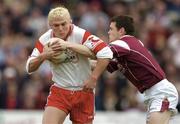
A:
[59,12]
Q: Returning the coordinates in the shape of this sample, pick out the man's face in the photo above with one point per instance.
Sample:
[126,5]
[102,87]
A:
[113,32]
[60,26]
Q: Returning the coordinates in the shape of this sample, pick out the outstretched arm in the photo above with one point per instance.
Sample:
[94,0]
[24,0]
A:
[79,48]
[98,70]
[103,55]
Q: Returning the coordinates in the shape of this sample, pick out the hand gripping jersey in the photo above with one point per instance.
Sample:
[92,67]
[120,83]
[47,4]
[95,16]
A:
[71,73]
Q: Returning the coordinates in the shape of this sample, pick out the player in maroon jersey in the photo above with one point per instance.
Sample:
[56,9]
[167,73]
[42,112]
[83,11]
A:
[136,63]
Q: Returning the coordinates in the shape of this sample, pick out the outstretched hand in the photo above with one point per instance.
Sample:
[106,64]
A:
[90,84]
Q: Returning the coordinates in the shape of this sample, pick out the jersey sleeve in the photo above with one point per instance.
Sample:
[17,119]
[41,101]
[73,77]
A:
[36,51]
[98,47]
[119,48]
[112,66]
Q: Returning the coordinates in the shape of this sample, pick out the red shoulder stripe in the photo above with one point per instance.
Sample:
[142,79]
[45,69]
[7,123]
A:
[86,35]
[39,46]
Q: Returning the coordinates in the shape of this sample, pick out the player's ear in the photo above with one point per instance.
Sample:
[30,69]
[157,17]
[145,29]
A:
[122,31]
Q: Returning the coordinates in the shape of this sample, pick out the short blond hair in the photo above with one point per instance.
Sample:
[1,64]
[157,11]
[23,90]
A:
[59,12]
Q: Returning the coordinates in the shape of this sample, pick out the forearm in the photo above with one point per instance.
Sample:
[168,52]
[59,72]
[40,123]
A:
[101,65]
[35,63]
[81,49]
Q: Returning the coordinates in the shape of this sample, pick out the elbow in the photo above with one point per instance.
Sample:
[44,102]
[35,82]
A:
[30,66]
[28,70]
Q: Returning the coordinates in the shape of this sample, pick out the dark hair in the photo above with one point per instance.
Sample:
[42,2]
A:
[126,22]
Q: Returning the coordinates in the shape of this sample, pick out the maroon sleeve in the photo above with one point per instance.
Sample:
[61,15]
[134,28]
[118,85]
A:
[118,51]
[112,66]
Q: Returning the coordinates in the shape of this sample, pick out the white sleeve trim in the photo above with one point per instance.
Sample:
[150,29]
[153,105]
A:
[121,44]
[105,53]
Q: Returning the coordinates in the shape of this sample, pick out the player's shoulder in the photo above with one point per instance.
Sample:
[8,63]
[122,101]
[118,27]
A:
[120,43]
[130,39]
[79,34]
[78,30]
[46,36]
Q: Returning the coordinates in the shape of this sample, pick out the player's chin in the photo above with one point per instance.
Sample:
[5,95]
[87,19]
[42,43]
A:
[62,36]
[111,39]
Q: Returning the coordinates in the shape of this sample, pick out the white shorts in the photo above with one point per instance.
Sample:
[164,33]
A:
[162,96]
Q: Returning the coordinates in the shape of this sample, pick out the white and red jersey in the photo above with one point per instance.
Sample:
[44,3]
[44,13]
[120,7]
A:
[72,73]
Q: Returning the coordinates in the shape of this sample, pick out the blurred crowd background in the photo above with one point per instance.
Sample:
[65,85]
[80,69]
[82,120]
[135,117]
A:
[157,24]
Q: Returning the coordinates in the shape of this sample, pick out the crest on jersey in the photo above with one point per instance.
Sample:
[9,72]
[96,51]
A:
[93,41]
[71,56]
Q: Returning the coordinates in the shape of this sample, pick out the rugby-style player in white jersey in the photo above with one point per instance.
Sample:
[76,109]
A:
[67,95]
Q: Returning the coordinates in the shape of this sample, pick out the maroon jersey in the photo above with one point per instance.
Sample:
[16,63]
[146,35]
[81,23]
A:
[135,62]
